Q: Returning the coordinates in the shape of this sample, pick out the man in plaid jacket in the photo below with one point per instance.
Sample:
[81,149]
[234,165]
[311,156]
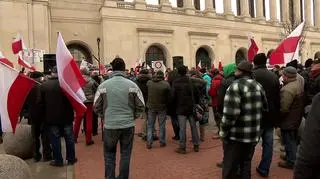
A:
[244,104]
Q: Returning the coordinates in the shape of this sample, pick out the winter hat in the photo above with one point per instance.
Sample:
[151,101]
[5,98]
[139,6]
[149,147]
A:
[290,72]
[293,63]
[245,66]
[182,70]
[160,74]
[36,74]
[118,64]
[308,63]
[260,59]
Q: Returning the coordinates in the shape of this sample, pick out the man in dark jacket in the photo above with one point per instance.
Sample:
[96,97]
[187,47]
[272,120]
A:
[142,80]
[308,156]
[89,91]
[38,125]
[158,99]
[271,85]
[171,109]
[291,111]
[314,83]
[59,116]
[182,91]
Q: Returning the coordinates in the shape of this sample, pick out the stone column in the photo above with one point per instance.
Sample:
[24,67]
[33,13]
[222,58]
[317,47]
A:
[317,13]
[307,11]
[187,4]
[228,9]
[285,11]
[273,11]
[165,6]
[140,4]
[210,11]
[297,11]
[245,8]
[259,4]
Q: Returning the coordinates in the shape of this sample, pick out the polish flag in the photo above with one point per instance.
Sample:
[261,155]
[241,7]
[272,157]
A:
[25,63]
[253,48]
[212,67]
[220,66]
[14,89]
[4,60]
[17,44]
[102,69]
[199,66]
[285,51]
[70,77]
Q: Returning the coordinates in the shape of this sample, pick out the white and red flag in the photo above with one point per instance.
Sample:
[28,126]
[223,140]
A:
[17,44]
[253,48]
[102,69]
[24,63]
[199,66]
[220,66]
[70,77]
[285,51]
[4,60]
[14,89]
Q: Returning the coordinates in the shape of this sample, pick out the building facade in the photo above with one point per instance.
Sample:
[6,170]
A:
[139,31]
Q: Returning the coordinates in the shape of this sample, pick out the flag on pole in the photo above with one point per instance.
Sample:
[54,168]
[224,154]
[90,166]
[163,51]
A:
[17,44]
[4,60]
[253,48]
[14,89]
[25,63]
[220,66]
[70,78]
[285,51]
[199,65]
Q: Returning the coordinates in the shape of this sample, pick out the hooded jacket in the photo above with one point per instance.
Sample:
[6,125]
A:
[213,91]
[158,94]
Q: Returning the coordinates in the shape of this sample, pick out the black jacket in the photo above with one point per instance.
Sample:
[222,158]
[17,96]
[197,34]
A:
[182,95]
[222,92]
[33,105]
[271,85]
[308,156]
[55,105]
[142,81]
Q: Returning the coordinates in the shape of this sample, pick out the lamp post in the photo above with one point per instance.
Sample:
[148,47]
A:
[99,61]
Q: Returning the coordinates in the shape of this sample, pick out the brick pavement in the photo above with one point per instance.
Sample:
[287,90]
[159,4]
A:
[164,163]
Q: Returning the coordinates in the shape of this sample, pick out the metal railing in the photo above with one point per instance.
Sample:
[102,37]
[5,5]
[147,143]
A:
[125,5]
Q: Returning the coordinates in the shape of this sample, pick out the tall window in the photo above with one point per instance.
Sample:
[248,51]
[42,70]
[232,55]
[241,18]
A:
[80,52]
[155,53]
[251,8]
[202,56]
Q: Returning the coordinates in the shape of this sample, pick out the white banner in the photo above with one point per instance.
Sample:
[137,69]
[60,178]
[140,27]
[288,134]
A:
[158,65]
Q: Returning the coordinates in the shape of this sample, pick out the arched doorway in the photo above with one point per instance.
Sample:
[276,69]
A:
[80,52]
[155,53]
[203,56]
[241,54]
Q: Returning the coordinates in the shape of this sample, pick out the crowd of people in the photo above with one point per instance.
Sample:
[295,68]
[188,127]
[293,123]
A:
[249,102]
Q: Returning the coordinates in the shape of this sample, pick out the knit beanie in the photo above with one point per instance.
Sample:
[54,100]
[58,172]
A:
[118,64]
[245,66]
[290,72]
[260,59]
[293,63]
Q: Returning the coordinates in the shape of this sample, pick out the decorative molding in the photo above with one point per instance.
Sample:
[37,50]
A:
[270,39]
[154,30]
[315,43]
[206,34]
[76,20]
[235,36]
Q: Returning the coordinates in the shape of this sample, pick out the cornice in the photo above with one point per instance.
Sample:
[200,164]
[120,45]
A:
[206,34]
[154,30]
[236,36]
[270,39]
[76,20]
[315,43]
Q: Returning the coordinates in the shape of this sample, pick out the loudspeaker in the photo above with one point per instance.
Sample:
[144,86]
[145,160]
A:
[49,61]
[177,61]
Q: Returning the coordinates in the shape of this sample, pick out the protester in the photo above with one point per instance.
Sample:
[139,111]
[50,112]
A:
[213,92]
[158,100]
[89,90]
[271,85]
[119,101]
[172,76]
[142,80]
[95,76]
[201,98]
[244,104]
[292,103]
[308,156]
[58,113]
[314,82]
[38,125]
[182,91]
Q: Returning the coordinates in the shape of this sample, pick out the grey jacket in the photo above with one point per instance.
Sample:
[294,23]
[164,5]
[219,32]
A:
[89,89]
[119,101]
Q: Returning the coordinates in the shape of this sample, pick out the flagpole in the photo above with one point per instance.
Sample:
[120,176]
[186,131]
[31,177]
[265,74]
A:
[98,42]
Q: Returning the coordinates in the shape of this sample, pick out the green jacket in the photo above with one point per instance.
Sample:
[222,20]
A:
[158,94]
